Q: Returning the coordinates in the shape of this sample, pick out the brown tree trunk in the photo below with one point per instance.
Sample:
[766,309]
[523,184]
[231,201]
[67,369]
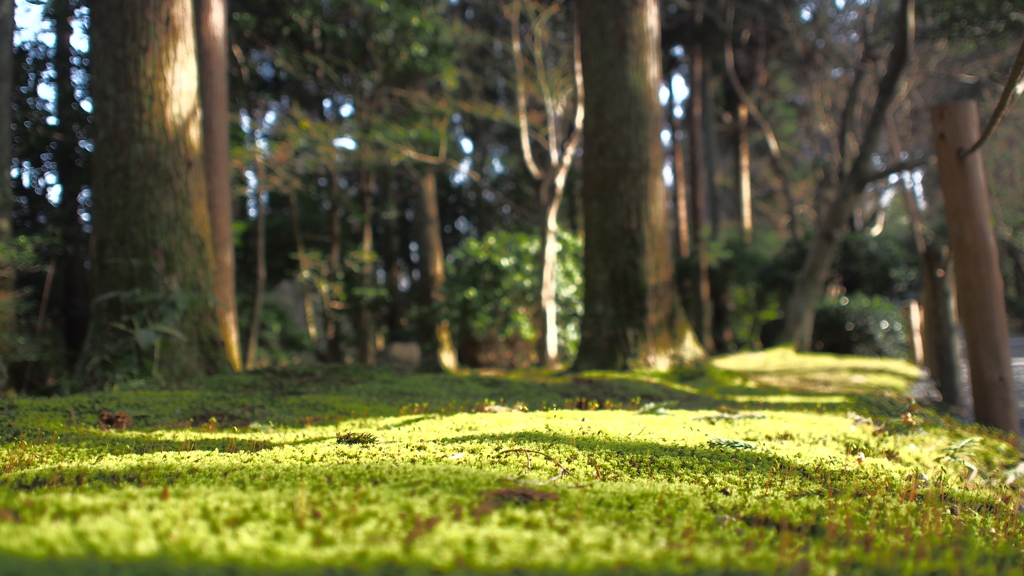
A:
[979,281]
[150,208]
[71,276]
[261,265]
[682,208]
[211,33]
[743,172]
[434,333]
[332,316]
[365,329]
[633,317]
[699,169]
[941,341]
[7,274]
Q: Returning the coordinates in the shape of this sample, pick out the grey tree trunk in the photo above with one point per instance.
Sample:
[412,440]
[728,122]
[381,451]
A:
[633,316]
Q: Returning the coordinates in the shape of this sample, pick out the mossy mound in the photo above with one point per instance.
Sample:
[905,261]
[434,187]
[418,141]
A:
[851,480]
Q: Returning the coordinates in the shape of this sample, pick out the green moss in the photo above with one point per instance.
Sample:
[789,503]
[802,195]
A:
[720,486]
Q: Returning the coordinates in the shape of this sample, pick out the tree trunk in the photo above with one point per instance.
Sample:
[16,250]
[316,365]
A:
[979,280]
[434,333]
[810,283]
[941,341]
[633,317]
[365,329]
[211,33]
[682,208]
[548,278]
[7,274]
[261,265]
[300,252]
[332,317]
[72,278]
[149,189]
[743,172]
[699,169]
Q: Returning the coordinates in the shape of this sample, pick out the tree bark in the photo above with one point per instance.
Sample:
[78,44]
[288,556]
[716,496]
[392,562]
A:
[261,265]
[434,333]
[633,317]
[211,33]
[150,207]
[699,171]
[979,281]
[7,273]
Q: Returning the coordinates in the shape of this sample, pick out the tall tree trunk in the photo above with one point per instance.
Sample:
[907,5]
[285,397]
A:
[743,172]
[149,188]
[365,329]
[211,32]
[699,170]
[548,278]
[261,265]
[682,206]
[434,333]
[810,284]
[332,316]
[71,277]
[633,316]
[7,315]
[979,281]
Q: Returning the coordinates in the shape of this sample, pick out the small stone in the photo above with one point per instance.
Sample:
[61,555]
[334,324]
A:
[726,491]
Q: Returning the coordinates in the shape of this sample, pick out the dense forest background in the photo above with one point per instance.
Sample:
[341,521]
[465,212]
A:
[356,128]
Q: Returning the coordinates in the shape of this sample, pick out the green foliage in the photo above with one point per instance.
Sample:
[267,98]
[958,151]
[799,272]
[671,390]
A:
[493,288]
[696,490]
[147,321]
[860,324]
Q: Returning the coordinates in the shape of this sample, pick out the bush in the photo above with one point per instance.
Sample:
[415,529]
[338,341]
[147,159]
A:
[492,290]
[860,324]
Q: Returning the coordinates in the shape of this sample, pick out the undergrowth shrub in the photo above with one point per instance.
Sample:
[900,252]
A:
[860,324]
[492,289]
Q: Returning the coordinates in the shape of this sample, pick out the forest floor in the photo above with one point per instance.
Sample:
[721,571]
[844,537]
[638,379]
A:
[767,463]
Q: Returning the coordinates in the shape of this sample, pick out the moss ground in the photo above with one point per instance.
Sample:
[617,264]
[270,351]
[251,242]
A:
[772,463]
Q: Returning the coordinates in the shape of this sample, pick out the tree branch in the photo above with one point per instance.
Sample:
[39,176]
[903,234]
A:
[524,125]
[886,90]
[1004,101]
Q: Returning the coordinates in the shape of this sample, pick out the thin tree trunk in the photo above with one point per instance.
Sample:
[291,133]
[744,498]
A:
[332,318]
[682,207]
[699,168]
[743,170]
[7,273]
[367,332]
[548,281]
[941,340]
[980,288]
[633,314]
[434,333]
[300,251]
[261,266]
[149,188]
[211,32]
